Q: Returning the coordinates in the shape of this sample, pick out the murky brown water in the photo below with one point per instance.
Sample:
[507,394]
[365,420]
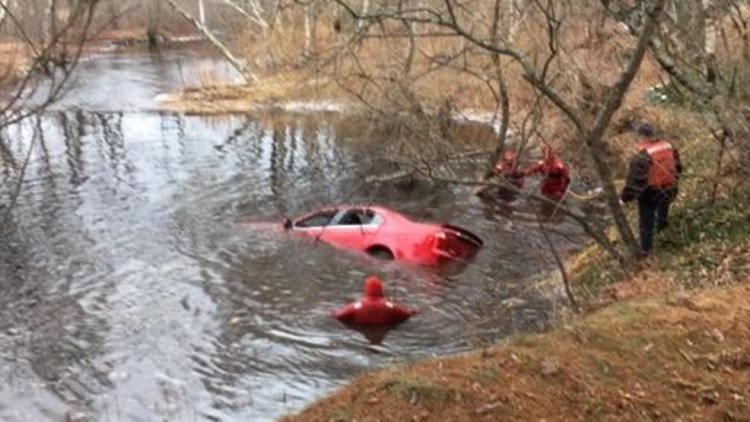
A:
[129,291]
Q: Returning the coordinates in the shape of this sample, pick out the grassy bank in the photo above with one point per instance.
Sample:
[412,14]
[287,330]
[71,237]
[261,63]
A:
[214,96]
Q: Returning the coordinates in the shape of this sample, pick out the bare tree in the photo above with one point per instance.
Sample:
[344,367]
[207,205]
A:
[686,48]
[53,56]
[543,72]
[5,5]
[254,13]
[221,47]
[50,61]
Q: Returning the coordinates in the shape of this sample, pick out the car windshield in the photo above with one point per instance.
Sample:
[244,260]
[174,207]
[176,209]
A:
[321,218]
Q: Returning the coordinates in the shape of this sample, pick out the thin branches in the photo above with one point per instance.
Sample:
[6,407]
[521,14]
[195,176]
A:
[220,47]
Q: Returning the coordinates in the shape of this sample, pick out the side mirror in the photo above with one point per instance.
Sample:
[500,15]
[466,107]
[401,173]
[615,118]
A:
[287,224]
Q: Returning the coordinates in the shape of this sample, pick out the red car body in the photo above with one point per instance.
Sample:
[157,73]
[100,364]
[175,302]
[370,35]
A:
[386,234]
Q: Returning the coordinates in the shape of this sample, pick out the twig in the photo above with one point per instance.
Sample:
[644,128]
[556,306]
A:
[685,355]
[560,266]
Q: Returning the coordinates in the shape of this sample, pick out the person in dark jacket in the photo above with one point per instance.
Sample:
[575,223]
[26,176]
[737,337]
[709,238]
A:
[373,308]
[653,177]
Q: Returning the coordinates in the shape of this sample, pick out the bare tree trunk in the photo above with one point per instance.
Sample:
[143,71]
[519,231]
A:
[114,14]
[516,14]
[365,10]
[315,12]
[722,139]
[709,39]
[234,61]
[154,23]
[593,138]
[277,20]
[308,30]
[201,13]
[502,88]
[410,48]
[255,15]
[50,23]
[5,5]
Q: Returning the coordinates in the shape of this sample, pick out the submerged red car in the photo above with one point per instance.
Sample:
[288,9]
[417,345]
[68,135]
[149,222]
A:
[387,235]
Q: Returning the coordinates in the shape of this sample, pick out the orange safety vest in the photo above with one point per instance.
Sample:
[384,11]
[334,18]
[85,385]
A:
[663,169]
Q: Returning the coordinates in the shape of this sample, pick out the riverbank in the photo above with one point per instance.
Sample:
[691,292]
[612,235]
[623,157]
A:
[666,356]
[17,57]
[668,340]
[298,90]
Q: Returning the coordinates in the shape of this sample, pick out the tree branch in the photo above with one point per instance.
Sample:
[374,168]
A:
[223,50]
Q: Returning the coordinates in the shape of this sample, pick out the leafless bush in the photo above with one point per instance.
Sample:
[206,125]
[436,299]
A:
[43,42]
[704,47]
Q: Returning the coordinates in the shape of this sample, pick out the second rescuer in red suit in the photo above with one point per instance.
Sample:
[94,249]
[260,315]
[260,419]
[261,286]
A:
[373,308]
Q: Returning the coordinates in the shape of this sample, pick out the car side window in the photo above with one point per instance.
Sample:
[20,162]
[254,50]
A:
[376,220]
[318,219]
[357,217]
[352,217]
[371,218]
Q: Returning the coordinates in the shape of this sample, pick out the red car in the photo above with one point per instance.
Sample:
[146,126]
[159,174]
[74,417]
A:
[388,235]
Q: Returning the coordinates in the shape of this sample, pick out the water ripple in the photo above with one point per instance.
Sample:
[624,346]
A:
[145,275]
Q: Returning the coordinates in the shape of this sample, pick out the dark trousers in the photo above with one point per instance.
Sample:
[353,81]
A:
[653,210]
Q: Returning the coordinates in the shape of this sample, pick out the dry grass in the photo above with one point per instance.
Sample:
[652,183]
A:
[447,74]
[444,71]
[215,96]
[14,59]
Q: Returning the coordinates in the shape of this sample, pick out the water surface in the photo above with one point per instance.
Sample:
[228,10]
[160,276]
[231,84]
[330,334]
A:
[132,291]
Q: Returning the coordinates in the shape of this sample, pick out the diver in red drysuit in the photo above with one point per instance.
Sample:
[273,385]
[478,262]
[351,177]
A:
[556,175]
[373,308]
[508,168]
[510,173]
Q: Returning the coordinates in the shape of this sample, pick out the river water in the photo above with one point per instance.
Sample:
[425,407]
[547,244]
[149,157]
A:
[132,290]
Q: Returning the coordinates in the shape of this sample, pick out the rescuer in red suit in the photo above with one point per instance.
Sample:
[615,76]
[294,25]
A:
[556,176]
[507,167]
[510,173]
[373,308]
